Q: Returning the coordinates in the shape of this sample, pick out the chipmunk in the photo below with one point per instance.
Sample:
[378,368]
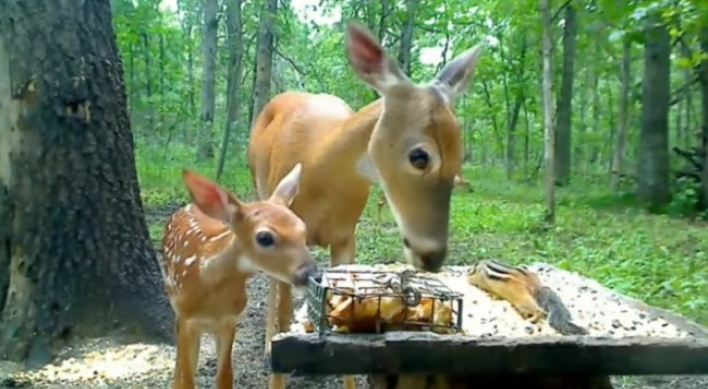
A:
[523,289]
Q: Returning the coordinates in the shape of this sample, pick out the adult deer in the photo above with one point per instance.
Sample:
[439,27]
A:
[409,141]
[210,248]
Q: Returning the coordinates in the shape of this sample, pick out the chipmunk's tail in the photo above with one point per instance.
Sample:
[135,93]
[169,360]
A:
[559,317]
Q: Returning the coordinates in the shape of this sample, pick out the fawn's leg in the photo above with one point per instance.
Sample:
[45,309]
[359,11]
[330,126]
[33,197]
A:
[285,315]
[224,345]
[349,382]
[188,339]
[271,310]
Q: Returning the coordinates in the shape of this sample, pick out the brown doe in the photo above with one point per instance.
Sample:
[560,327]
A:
[210,248]
[409,141]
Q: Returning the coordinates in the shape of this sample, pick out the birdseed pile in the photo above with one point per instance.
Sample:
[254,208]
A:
[592,306]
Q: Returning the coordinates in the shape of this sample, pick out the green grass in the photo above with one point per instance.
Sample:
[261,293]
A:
[658,259]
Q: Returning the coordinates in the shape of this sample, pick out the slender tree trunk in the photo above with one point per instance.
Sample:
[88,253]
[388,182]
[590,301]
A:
[594,150]
[404,54]
[74,248]
[653,166]
[687,103]
[519,95]
[264,57]
[621,140]
[549,134]
[235,31]
[205,150]
[148,79]
[161,115]
[527,136]
[565,101]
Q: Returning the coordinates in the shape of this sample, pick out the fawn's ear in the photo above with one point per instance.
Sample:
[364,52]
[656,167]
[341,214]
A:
[287,188]
[370,61]
[210,197]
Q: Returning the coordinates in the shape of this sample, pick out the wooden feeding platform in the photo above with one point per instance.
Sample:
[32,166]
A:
[496,345]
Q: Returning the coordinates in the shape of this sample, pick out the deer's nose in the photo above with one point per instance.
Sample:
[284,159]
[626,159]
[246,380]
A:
[303,272]
[430,260]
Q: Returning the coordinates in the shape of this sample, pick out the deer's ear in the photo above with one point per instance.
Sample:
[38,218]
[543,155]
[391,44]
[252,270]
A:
[370,61]
[457,75]
[287,188]
[213,200]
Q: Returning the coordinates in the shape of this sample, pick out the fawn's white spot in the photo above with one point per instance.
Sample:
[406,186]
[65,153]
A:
[217,237]
[190,261]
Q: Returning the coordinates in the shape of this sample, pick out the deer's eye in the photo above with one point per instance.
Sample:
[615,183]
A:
[265,239]
[419,158]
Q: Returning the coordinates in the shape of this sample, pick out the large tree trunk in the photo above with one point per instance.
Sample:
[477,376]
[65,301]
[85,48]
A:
[264,57]
[205,150]
[234,28]
[549,134]
[74,247]
[565,106]
[621,140]
[653,166]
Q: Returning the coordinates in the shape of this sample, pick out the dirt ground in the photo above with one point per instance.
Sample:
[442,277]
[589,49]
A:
[106,363]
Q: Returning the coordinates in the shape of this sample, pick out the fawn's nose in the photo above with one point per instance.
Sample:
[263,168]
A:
[303,272]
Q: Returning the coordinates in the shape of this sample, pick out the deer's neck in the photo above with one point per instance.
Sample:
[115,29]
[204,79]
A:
[350,141]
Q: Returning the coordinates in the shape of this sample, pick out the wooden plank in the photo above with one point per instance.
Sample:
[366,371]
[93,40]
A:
[427,353]
[417,381]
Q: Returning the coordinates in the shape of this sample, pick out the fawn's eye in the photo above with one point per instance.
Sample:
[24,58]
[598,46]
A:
[419,158]
[265,239]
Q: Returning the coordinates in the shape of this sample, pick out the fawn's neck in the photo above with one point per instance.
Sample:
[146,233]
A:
[228,261]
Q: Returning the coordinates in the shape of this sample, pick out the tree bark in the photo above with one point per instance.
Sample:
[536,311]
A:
[515,111]
[264,56]
[74,247]
[621,141]
[653,166]
[549,134]
[235,30]
[565,106]
[704,131]
[406,48]
[205,150]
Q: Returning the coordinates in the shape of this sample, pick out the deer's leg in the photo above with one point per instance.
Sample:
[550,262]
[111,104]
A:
[342,252]
[188,339]
[271,312]
[224,345]
[285,315]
